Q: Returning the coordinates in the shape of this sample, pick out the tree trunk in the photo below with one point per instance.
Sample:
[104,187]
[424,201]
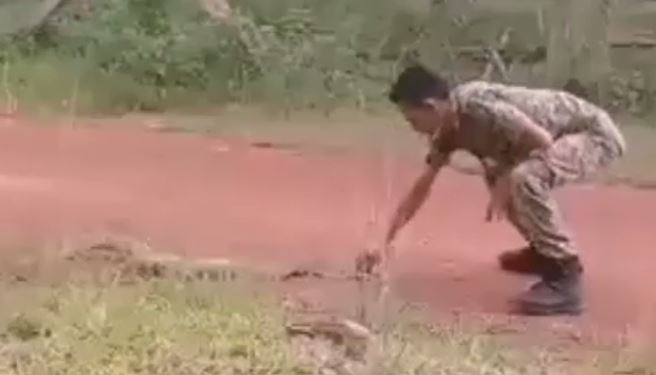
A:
[577,47]
[20,16]
[559,54]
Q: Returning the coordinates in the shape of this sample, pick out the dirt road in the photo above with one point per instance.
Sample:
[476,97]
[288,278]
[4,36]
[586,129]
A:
[208,196]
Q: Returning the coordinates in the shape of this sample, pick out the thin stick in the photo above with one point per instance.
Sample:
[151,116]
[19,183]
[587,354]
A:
[453,59]
[5,69]
[11,102]
[383,293]
[540,17]
[494,58]
[379,347]
[73,100]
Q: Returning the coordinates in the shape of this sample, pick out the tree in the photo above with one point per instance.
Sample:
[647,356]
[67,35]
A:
[18,16]
[577,46]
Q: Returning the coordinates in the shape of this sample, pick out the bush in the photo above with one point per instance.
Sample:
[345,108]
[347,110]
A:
[150,54]
[125,55]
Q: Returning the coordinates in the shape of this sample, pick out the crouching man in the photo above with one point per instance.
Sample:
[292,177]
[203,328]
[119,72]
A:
[529,142]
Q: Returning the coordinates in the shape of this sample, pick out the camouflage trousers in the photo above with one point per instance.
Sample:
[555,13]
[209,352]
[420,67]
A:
[572,158]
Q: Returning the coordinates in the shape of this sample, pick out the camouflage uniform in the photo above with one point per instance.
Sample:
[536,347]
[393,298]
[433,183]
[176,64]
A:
[585,141]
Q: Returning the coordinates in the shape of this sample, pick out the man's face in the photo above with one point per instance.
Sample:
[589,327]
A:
[425,118]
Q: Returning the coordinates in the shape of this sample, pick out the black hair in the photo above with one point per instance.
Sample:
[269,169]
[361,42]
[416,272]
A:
[415,84]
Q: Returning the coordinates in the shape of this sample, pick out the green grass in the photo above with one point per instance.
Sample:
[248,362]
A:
[157,328]
[170,328]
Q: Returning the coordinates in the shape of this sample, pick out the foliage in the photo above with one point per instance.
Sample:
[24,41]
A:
[123,55]
[299,53]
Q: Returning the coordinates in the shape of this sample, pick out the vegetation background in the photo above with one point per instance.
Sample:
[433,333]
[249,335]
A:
[116,56]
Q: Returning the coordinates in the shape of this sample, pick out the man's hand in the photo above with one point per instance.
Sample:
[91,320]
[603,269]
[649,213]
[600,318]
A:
[497,209]
[376,261]
[500,187]
[373,263]
[367,263]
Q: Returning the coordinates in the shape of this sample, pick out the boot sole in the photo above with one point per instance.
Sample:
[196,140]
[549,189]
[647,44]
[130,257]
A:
[540,310]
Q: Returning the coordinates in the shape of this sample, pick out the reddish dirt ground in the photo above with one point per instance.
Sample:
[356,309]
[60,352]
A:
[217,197]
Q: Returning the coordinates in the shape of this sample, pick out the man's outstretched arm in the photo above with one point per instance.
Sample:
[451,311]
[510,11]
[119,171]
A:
[414,199]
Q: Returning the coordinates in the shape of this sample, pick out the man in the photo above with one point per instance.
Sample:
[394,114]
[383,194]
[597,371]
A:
[529,141]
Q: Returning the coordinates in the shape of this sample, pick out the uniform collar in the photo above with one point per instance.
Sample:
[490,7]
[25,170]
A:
[454,125]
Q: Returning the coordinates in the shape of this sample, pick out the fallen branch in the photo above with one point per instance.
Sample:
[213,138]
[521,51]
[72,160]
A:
[306,274]
[494,58]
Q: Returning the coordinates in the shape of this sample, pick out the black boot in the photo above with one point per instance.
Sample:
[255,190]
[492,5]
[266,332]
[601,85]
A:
[523,261]
[559,291]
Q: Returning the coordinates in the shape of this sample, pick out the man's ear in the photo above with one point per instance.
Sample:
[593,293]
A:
[436,104]
[432,103]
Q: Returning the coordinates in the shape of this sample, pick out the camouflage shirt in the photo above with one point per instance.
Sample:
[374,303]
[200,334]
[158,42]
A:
[491,117]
